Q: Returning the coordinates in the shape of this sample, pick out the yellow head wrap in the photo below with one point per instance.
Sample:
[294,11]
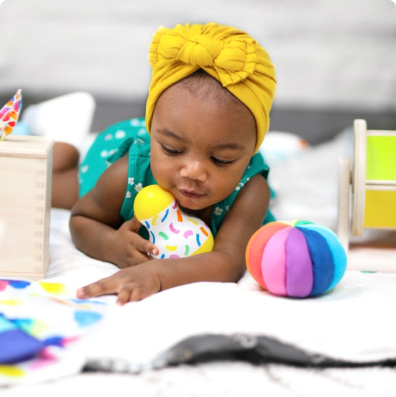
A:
[229,55]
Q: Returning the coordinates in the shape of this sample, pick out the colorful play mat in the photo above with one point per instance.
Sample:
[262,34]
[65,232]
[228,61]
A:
[41,324]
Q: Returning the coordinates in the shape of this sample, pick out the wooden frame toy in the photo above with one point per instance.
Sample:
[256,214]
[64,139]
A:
[25,205]
[371,184]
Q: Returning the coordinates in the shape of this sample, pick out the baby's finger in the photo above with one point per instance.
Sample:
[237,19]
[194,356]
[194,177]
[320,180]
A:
[125,294]
[133,258]
[133,224]
[101,287]
[136,295]
[140,257]
[144,245]
[132,292]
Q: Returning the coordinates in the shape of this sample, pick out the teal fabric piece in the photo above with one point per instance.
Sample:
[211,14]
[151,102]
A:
[6,325]
[131,136]
[315,226]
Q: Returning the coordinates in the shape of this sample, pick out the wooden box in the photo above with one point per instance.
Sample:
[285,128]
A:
[25,205]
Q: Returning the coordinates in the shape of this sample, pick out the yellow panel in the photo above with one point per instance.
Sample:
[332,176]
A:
[380,209]
[381,158]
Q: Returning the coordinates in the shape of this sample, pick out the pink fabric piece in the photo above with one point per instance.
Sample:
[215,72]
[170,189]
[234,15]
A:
[299,273]
[39,363]
[45,358]
[3,285]
[70,339]
[273,262]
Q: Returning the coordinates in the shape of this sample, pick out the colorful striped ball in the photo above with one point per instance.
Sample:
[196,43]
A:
[296,259]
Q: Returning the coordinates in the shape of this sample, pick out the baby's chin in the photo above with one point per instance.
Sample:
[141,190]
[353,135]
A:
[186,203]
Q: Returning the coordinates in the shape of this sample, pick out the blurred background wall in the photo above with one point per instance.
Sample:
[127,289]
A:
[335,59]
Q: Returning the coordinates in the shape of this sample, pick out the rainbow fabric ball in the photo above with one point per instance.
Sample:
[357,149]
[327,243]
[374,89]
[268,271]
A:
[296,259]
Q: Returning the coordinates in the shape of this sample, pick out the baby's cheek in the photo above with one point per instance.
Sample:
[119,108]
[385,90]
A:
[224,185]
[161,172]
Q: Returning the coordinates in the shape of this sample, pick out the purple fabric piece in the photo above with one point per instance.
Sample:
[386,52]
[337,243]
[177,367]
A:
[299,273]
[17,346]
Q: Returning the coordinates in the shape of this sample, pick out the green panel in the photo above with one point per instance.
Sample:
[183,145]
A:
[381,158]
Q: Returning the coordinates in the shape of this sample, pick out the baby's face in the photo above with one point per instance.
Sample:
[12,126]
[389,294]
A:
[199,148]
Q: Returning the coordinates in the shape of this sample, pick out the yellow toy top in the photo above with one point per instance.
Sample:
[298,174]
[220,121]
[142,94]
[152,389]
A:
[150,201]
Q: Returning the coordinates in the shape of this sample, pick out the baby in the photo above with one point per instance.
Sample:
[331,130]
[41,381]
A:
[207,113]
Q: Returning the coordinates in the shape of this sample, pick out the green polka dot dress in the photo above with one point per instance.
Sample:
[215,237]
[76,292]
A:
[130,136]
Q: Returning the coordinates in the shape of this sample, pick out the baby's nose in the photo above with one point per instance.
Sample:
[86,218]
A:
[194,170]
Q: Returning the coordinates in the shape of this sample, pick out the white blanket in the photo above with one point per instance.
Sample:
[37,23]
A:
[353,322]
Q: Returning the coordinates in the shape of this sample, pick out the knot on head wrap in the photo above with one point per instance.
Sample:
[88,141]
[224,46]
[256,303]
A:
[229,55]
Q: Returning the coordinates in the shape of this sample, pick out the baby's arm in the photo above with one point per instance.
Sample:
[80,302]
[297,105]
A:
[225,264]
[99,231]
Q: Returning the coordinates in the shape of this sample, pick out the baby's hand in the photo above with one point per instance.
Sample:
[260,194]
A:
[131,284]
[130,249]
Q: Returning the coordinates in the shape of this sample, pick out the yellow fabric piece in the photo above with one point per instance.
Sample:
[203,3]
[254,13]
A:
[380,208]
[54,288]
[11,371]
[229,55]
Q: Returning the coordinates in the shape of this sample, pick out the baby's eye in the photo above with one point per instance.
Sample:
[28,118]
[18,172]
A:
[170,151]
[222,163]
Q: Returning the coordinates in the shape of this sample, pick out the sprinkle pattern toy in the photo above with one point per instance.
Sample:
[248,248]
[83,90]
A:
[296,259]
[173,232]
[9,115]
